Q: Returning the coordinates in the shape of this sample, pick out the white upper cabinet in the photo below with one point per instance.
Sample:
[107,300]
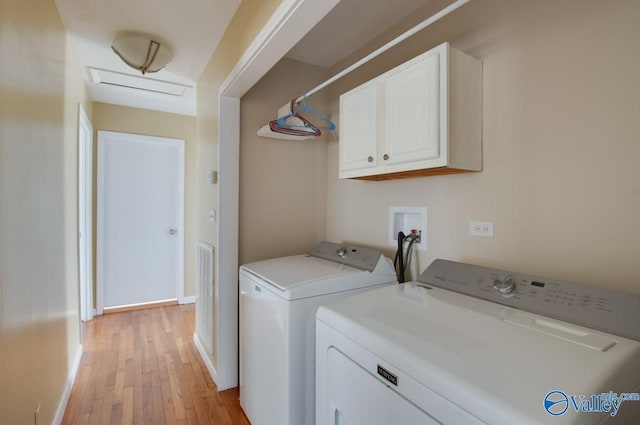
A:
[362,107]
[423,117]
[412,112]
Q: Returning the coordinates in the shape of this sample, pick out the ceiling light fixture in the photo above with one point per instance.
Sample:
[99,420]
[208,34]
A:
[142,53]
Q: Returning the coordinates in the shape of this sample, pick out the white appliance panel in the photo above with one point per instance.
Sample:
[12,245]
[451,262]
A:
[263,325]
[277,328]
[356,397]
[401,384]
[287,273]
[495,362]
[305,276]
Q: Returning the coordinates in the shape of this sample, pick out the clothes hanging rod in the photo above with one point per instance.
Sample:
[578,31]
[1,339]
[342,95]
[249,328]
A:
[430,20]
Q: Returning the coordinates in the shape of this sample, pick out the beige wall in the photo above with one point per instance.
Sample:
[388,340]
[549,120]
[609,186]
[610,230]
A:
[40,87]
[249,19]
[561,146]
[245,25]
[283,183]
[160,124]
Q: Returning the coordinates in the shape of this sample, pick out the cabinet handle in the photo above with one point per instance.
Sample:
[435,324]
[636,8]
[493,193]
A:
[370,159]
[385,157]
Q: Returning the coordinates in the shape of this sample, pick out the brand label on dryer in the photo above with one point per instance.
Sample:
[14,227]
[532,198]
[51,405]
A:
[388,375]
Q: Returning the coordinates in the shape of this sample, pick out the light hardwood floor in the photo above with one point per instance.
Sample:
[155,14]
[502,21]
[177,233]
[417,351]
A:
[141,367]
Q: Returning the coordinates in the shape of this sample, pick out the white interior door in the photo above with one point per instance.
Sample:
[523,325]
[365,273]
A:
[85,218]
[140,219]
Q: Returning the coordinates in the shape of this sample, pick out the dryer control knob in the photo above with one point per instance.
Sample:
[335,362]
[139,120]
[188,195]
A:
[505,285]
[342,252]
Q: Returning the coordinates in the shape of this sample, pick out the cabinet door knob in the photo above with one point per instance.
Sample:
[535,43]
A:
[370,159]
[385,157]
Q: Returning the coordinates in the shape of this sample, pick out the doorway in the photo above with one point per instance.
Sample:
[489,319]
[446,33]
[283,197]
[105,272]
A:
[85,214]
[140,240]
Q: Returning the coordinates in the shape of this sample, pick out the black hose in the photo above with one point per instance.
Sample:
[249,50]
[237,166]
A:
[407,256]
[399,260]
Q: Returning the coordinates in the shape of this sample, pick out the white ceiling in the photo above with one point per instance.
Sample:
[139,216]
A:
[349,26]
[190,28]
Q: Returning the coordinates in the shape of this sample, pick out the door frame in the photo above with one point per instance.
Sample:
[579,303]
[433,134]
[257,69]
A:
[85,214]
[180,144]
[291,21]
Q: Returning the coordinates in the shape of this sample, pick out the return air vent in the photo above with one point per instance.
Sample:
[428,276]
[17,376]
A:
[110,78]
[204,296]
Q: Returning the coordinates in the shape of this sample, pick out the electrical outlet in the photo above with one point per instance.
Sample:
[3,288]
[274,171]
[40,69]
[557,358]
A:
[481,228]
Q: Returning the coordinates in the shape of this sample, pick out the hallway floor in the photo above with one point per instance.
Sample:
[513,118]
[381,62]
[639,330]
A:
[141,367]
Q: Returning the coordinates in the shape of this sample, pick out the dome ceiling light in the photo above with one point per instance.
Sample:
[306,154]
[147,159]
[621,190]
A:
[142,53]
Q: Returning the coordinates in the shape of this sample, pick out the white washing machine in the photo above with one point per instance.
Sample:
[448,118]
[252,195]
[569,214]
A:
[473,345]
[278,303]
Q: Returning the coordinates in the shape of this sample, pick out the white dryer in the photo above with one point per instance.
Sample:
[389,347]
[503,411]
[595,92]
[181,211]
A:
[278,303]
[472,345]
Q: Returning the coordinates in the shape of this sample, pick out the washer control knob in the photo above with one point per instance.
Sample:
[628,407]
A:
[505,285]
[342,252]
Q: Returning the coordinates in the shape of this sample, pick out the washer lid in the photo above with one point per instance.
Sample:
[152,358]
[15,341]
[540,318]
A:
[496,362]
[303,276]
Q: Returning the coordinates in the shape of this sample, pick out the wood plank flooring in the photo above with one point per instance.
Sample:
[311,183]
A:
[141,367]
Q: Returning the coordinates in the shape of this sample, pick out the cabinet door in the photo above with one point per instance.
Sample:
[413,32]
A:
[412,112]
[359,128]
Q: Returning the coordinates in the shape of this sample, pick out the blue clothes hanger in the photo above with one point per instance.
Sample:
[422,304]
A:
[297,125]
[301,107]
[305,107]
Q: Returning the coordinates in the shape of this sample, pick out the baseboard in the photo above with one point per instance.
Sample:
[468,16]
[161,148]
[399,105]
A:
[62,406]
[205,358]
[140,306]
[188,300]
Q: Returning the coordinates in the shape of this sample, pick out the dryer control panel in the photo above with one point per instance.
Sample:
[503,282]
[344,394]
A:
[349,255]
[604,309]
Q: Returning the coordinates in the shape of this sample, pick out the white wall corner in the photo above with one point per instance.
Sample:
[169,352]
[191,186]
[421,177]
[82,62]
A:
[207,361]
[64,400]
[187,300]
[289,23]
